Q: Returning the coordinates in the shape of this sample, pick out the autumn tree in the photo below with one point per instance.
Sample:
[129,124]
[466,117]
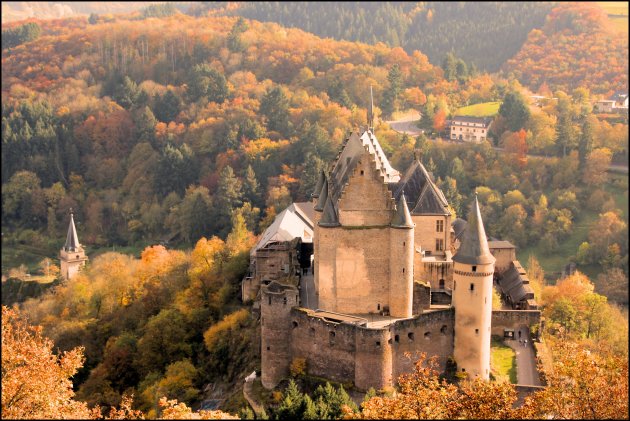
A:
[582,385]
[36,383]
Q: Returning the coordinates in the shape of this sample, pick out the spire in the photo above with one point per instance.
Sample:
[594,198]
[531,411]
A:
[402,217]
[322,196]
[318,186]
[474,248]
[72,240]
[329,217]
[370,113]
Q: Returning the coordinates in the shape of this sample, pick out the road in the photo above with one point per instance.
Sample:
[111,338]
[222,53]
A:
[526,371]
[407,125]
[308,294]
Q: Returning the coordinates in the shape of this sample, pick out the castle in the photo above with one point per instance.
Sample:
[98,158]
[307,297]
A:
[386,275]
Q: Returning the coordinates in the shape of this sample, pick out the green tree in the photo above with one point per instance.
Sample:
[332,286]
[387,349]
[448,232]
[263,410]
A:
[449,66]
[145,125]
[251,187]
[515,111]
[228,197]
[194,212]
[167,106]
[391,95]
[204,81]
[585,146]
[163,342]
[234,42]
[275,107]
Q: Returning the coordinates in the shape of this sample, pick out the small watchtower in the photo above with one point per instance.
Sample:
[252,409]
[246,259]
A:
[72,256]
[473,274]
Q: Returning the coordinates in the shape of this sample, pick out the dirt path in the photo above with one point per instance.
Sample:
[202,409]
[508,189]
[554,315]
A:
[248,394]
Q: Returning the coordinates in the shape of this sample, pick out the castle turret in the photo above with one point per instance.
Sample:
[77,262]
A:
[401,261]
[72,256]
[472,298]
[275,354]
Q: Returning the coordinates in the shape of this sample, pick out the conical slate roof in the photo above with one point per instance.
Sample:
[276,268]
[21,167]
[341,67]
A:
[402,217]
[474,247]
[72,240]
[329,216]
[318,186]
[322,196]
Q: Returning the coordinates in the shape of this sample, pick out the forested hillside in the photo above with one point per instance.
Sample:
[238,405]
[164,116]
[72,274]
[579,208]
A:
[485,34]
[576,47]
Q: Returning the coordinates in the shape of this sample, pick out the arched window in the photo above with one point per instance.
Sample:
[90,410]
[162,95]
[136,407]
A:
[441,283]
[427,335]
[410,336]
[443,329]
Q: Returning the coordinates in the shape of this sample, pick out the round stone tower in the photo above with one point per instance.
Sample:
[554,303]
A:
[275,332]
[473,270]
[401,246]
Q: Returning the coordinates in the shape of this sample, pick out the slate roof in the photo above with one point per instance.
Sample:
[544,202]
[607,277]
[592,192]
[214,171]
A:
[468,119]
[459,226]
[319,185]
[423,196]
[323,195]
[514,284]
[329,215]
[474,244]
[72,240]
[402,218]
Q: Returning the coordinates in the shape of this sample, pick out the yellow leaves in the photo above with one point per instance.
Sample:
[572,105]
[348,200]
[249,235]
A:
[35,382]
[230,322]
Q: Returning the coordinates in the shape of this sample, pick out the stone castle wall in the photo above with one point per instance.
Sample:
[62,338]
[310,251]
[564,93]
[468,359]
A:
[513,319]
[354,269]
[345,352]
[426,232]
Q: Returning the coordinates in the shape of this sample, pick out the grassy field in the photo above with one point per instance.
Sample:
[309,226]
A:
[485,109]
[618,13]
[502,360]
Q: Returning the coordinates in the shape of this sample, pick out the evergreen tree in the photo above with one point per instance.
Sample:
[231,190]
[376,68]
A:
[586,142]
[515,111]
[251,186]
[204,81]
[228,197]
[234,42]
[167,106]
[275,107]
[449,65]
[145,125]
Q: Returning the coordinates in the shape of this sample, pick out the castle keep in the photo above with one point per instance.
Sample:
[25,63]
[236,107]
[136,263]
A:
[388,275]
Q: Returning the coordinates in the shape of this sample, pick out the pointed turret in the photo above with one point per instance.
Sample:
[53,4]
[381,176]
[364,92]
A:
[322,196]
[402,217]
[370,113]
[329,216]
[319,185]
[72,240]
[71,256]
[474,247]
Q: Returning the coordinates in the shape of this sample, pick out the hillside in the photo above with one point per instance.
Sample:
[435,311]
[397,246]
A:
[574,48]
[485,34]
